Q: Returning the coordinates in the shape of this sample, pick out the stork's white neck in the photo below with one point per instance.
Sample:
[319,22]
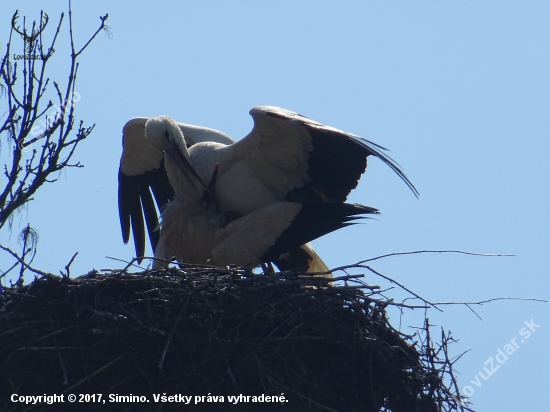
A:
[197,134]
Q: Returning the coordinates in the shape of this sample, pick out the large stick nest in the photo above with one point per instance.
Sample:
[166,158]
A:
[213,331]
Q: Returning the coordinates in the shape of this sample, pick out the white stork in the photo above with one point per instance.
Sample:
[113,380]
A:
[285,158]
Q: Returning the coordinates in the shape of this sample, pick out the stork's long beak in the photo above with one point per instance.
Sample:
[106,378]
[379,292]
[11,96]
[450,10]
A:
[186,168]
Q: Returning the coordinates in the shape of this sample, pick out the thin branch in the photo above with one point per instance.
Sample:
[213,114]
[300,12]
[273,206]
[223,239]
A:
[21,261]
[481,302]
[431,251]
[401,286]
[103,26]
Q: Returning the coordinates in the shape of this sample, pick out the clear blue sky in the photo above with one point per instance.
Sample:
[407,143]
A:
[458,90]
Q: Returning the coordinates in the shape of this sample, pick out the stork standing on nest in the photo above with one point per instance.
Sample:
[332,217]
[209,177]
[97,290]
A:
[285,158]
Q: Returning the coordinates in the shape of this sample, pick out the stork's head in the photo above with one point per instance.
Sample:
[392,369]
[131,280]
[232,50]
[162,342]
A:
[165,134]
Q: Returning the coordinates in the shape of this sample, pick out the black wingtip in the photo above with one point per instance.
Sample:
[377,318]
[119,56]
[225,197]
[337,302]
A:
[373,148]
[338,159]
[315,220]
[137,196]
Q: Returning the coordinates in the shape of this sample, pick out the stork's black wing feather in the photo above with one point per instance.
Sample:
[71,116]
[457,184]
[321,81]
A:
[337,161]
[137,196]
[315,220]
[163,192]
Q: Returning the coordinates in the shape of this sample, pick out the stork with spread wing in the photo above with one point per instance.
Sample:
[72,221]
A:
[285,158]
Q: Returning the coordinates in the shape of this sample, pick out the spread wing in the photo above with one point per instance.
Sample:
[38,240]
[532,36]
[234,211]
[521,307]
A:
[303,160]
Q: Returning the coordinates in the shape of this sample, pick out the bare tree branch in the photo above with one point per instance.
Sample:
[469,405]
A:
[39,133]
[22,262]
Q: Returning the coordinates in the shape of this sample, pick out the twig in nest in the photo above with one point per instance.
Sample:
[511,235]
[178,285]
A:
[67,274]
